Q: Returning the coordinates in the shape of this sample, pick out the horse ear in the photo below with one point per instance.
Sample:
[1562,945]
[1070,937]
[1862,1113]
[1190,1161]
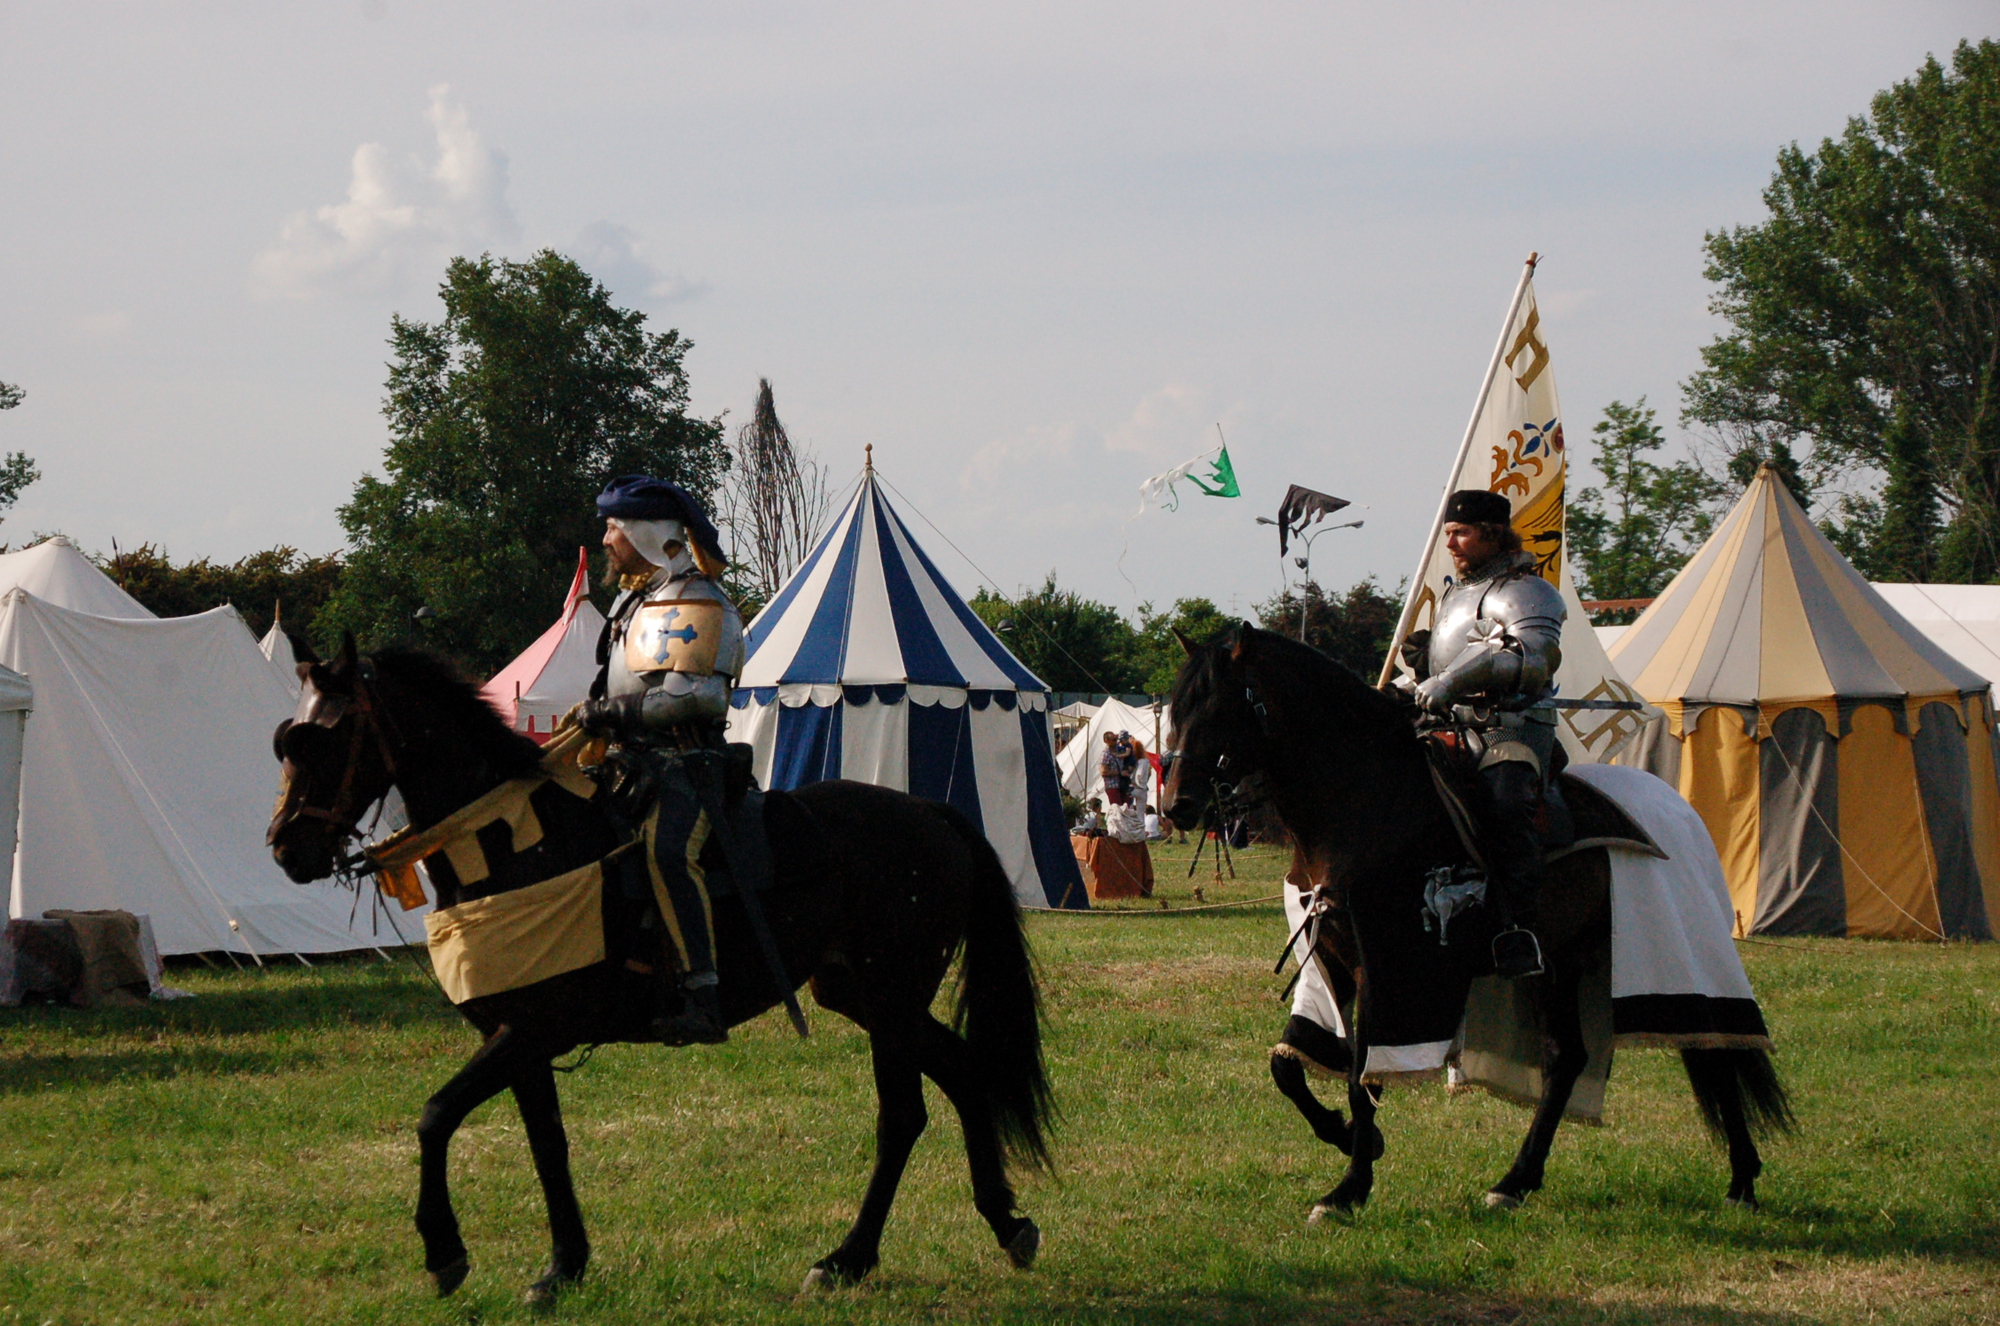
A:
[350,657]
[302,649]
[1187,645]
[1240,641]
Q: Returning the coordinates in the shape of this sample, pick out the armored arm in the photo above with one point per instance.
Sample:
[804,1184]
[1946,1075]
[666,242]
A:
[681,652]
[1515,648]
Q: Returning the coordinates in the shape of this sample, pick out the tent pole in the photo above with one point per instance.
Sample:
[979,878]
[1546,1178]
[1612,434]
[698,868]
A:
[1408,618]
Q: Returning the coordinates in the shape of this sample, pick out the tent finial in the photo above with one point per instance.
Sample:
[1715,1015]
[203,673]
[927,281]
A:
[868,458]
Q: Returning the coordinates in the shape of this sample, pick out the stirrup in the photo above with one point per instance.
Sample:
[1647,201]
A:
[699,1021]
[1517,954]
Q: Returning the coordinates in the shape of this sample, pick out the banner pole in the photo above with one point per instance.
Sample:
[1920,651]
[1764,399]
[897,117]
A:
[1408,618]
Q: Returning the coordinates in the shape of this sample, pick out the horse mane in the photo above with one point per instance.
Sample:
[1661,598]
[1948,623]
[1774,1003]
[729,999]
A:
[1347,706]
[455,702]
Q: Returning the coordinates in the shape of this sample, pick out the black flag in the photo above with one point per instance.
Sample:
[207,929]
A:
[1303,507]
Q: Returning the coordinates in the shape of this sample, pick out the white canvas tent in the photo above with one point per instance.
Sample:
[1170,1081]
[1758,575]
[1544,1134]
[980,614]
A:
[17,698]
[1962,620]
[556,671]
[1076,763]
[277,647]
[147,777]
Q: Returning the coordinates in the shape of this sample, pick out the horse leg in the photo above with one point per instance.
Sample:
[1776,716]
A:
[899,1121]
[541,1119]
[947,1061]
[1351,1194]
[1713,1077]
[1563,1061]
[488,1073]
[1329,1126]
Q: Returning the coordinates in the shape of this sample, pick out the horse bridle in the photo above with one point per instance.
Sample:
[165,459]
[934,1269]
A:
[319,709]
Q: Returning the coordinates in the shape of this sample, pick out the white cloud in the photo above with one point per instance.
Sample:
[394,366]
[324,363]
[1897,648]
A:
[104,325]
[1030,453]
[614,254]
[398,218]
[1173,423]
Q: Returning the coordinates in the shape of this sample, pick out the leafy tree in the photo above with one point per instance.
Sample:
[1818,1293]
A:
[1632,535]
[257,585]
[1157,656]
[17,470]
[1353,630]
[505,420]
[1072,643]
[1865,319]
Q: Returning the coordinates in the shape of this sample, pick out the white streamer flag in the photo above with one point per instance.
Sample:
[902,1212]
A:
[1517,448]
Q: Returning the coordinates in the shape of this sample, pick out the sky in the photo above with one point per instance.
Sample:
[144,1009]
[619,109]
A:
[1033,253]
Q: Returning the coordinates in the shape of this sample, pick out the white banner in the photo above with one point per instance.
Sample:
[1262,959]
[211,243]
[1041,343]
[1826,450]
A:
[1515,446]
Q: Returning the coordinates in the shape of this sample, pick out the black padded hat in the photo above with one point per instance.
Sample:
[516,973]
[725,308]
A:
[1476,506]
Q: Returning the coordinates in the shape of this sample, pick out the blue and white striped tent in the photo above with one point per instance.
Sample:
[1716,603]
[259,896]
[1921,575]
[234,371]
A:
[868,665]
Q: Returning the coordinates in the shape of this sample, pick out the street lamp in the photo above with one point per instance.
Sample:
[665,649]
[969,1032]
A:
[1304,563]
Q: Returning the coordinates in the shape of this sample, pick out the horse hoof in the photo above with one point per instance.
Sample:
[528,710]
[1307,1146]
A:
[830,1274]
[1021,1249]
[1324,1211]
[1743,1204]
[449,1278]
[1502,1201]
[542,1294]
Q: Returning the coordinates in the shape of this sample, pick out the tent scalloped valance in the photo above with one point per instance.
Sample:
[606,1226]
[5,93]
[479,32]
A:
[826,694]
[1837,714]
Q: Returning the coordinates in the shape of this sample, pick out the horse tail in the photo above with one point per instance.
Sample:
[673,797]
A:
[1000,1005]
[1745,1078]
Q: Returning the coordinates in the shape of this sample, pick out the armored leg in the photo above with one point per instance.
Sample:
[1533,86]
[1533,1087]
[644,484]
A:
[676,831]
[1514,858]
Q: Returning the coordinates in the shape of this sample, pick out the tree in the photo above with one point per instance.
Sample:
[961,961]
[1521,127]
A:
[1353,630]
[1865,318]
[775,504]
[1070,642]
[1157,655]
[505,420]
[17,470]
[257,585]
[1631,536]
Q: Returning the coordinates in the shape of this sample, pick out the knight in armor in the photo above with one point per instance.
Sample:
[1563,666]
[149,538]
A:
[1488,673]
[668,657]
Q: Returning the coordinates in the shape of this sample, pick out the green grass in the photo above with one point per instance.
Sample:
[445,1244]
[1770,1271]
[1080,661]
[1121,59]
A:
[249,1156]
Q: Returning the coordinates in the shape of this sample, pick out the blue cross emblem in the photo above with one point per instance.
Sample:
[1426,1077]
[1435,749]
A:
[686,634]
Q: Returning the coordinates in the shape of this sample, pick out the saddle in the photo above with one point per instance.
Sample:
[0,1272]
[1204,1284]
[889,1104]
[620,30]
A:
[1569,817]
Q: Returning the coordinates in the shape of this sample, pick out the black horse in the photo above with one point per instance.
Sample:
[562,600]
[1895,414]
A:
[874,893]
[1260,716]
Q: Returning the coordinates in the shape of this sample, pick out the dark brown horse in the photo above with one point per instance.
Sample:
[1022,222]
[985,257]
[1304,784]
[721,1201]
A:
[874,893]
[1260,717]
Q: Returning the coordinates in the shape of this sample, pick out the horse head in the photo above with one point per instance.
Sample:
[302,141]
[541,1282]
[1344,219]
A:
[398,718]
[337,759]
[1258,716]
[1219,729]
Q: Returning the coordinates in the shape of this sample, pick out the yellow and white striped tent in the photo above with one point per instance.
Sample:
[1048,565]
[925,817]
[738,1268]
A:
[1843,762]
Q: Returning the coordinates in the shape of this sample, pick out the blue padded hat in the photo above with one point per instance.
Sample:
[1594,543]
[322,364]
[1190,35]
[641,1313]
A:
[642,497]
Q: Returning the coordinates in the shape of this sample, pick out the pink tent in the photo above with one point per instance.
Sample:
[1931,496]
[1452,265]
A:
[555,672]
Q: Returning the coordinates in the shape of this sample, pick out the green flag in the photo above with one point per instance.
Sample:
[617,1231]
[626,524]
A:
[1223,476]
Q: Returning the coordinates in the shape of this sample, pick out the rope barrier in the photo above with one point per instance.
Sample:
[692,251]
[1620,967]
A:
[1160,911]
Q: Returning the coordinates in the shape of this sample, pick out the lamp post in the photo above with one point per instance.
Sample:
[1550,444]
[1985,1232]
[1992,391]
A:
[1304,563]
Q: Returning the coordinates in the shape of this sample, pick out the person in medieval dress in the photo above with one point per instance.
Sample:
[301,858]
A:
[1111,769]
[668,657]
[1488,674]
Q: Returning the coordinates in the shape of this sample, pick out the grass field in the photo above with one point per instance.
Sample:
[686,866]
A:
[249,1156]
